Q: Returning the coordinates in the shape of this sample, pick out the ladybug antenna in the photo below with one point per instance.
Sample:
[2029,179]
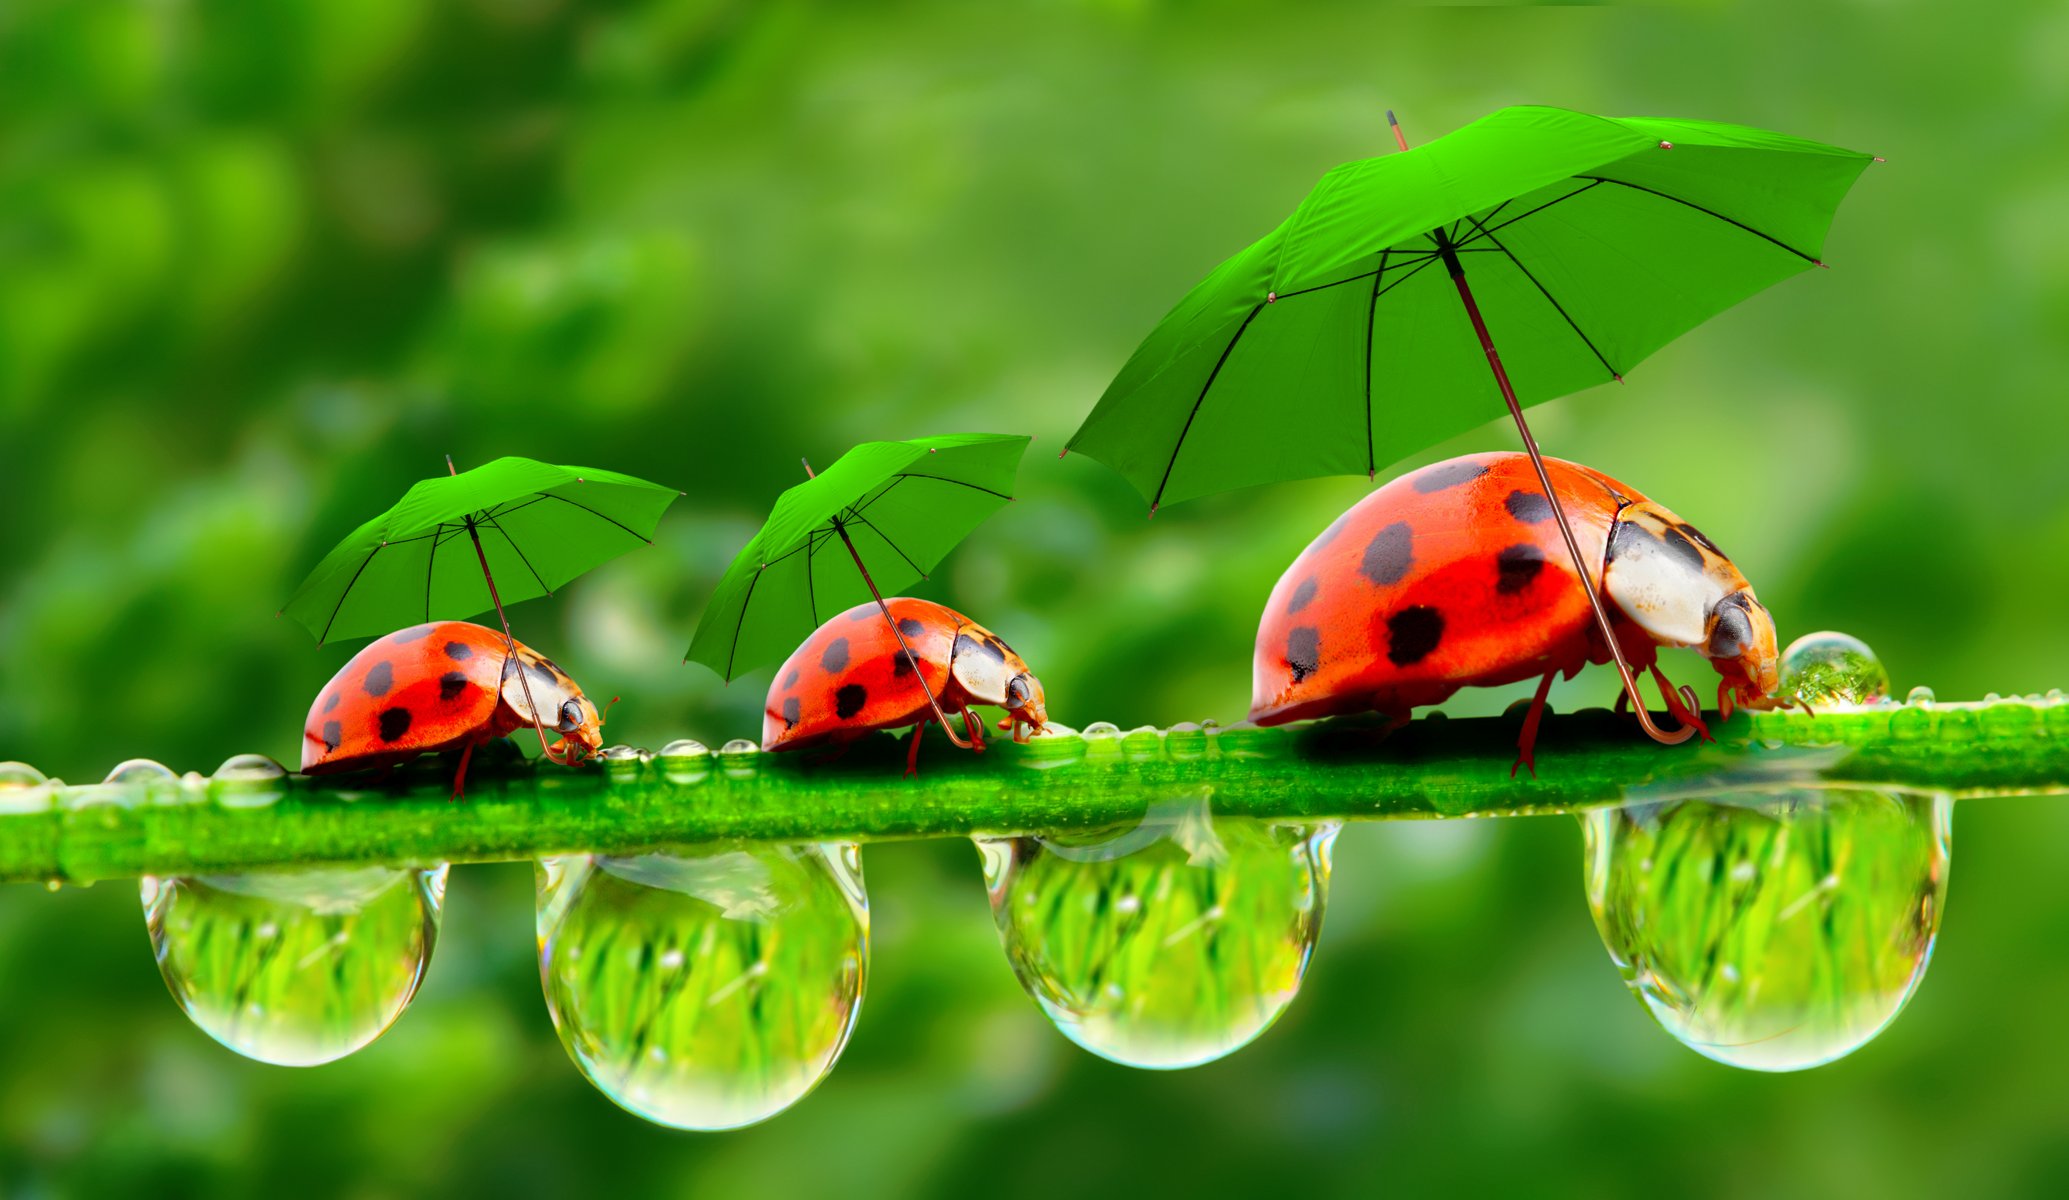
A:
[605,714]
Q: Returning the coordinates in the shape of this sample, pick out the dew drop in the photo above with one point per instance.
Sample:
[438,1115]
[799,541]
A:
[706,989]
[1833,670]
[249,768]
[295,968]
[1166,945]
[1098,730]
[1773,932]
[685,748]
[740,746]
[1920,695]
[24,789]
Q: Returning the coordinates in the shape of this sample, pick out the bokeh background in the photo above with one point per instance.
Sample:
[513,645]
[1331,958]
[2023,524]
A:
[263,264]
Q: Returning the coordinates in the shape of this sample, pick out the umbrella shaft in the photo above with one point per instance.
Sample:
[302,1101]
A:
[896,632]
[523,676]
[1508,393]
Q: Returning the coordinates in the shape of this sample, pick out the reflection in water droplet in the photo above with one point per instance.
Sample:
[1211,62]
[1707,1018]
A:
[1772,932]
[1167,945]
[295,968]
[707,989]
[1831,670]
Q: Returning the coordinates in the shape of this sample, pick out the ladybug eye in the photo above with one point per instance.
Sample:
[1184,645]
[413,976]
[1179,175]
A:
[570,716]
[1733,630]
[1017,692]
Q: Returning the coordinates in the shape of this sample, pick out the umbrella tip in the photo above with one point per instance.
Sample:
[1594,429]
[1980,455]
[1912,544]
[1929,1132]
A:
[1062,452]
[1822,264]
[1618,378]
[1879,158]
[1390,118]
[1153,511]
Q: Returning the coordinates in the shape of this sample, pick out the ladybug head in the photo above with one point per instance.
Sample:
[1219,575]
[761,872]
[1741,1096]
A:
[1740,644]
[580,727]
[561,706]
[1024,703]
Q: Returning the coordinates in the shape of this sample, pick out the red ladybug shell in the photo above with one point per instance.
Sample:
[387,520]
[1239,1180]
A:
[437,686]
[1448,577]
[849,677]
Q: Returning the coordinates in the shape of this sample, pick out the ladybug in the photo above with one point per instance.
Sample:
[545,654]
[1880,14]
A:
[1456,576]
[446,685]
[851,678]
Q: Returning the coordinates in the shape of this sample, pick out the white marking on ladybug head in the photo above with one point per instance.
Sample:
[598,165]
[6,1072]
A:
[1662,579]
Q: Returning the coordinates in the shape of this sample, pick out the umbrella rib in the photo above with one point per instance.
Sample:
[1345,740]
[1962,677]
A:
[348,591]
[733,652]
[1592,183]
[1551,300]
[519,550]
[1420,257]
[592,512]
[1767,237]
[811,588]
[939,479]
[430,569]
[1371,321]
[1200,399]
[917,569]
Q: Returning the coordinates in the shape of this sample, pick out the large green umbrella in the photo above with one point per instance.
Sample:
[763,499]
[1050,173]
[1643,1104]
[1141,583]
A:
[1363,328]
[433,556]
[878,519]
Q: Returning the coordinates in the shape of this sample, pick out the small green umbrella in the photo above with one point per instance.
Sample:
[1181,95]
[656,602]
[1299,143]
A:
[876,520]
[433,555]
[1363,328]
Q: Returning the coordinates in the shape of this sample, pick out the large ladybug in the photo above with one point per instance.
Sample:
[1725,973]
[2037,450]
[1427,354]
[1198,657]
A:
[447,685]
[851,677]
[1456,576]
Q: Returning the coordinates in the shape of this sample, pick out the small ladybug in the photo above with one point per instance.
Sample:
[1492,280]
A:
[851,677]
[447,685]
[1456,576]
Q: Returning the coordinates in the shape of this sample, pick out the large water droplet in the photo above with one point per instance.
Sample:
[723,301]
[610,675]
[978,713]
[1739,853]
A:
[1773,932]
[295,968]
[1166,945]
[706,989]
[1833,670]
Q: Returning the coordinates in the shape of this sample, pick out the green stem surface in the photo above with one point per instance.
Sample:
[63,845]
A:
[518,809]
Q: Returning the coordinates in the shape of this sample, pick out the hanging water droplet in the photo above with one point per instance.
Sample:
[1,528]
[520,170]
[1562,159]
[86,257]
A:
[706,989]
[295,968]
[1166,945]
[1833,670]
[1772,931]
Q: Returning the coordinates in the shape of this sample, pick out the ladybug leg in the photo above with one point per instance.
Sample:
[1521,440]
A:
[460,776]
[1724,702]
[1527,743]
[1682,707]
[973,728]
[912,756]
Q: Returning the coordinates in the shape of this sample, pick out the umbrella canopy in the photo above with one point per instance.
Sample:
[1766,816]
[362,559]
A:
[536,526]
[1337,343]
[876,520]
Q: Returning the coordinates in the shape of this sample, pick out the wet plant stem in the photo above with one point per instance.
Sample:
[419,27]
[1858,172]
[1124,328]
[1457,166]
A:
[517,809]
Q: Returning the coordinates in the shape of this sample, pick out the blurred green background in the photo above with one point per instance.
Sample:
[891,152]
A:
[262,264]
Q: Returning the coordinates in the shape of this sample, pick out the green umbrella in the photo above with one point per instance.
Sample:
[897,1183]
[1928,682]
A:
[876,520]
[433,555]
[1363,328]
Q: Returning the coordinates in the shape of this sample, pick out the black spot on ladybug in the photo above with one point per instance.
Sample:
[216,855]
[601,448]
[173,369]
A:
[834,659]
[1446,475]
[987,647]
[1626,538]
[902,665]
[1683,549]
[1389,554]
[451,684]
[1696,535]
[380,679]
[394,723]
[1304,651]
[332,735]
[849,700]
[1517,567]
[332,701]
[1528,507]
[911,627]
[415,633]
[791,713]
[1302,596]
[459,651]
[790,680]
[1412,633]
